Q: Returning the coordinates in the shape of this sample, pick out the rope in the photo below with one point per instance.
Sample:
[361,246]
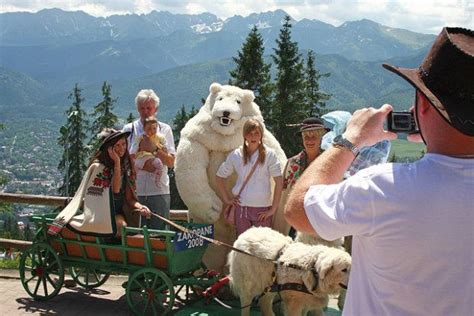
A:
[220,243]
[213,241]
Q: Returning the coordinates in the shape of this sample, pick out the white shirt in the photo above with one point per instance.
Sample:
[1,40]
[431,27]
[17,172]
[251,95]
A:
[258,191]
[146,184]
[413,243]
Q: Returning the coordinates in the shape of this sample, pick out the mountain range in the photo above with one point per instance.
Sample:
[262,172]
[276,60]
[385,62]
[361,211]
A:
[43,54]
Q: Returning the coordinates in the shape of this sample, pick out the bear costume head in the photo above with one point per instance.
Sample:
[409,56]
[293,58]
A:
[229,107]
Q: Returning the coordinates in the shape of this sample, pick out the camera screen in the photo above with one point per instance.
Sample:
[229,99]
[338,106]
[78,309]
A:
[402,121]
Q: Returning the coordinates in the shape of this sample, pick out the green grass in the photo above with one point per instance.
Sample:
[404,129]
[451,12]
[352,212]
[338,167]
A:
[405,150]
[10,264]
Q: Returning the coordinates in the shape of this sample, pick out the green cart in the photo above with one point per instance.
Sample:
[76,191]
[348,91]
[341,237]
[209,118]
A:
[160,263]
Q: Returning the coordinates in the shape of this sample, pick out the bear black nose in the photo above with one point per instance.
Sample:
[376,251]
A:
[226,113]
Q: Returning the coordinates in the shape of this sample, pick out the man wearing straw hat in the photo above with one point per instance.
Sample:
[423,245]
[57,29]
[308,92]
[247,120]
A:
[412,224]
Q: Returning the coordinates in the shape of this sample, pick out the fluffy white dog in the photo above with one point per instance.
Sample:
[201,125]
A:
[321,270]
[317,240]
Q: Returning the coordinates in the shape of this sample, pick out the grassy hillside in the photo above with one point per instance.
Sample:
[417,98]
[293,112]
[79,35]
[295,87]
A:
[18,89]
[353,85]
[407,151]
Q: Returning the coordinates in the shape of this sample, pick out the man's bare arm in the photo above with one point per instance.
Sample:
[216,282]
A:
[166,157]
[364,129]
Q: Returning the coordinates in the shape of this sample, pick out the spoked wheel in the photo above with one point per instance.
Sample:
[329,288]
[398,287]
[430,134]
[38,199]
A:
[150,292]
[41,271]
[88,278]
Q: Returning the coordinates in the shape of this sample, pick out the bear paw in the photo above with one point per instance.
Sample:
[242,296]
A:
[212,215]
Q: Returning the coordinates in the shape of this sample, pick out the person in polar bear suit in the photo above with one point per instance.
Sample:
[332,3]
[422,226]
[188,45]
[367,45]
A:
[205,142]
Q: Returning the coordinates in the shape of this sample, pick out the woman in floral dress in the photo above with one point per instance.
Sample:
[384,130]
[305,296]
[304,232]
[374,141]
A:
[312,130]
[106,191]
[118,174]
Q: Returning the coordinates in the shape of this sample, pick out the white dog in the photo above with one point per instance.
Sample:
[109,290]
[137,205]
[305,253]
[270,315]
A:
[317,240]
[319,269]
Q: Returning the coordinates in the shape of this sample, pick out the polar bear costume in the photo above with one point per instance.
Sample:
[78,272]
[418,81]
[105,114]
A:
[205,142]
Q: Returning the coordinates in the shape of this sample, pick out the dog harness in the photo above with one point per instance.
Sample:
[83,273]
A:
[291,286]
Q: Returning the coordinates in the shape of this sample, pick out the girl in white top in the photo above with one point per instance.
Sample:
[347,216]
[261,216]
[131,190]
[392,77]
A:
[255,205]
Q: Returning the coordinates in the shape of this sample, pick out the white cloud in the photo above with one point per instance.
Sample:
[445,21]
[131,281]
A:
[427,16]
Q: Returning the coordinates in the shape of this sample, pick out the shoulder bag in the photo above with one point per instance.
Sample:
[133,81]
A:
[229,212]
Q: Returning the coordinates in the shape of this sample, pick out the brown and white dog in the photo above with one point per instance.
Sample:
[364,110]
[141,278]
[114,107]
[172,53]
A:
[320,270]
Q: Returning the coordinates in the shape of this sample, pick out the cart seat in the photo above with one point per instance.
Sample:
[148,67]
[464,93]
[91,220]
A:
[134,248]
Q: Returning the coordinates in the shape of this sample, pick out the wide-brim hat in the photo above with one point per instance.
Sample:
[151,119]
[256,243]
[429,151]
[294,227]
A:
[112,137]
[312,124]
[446,77]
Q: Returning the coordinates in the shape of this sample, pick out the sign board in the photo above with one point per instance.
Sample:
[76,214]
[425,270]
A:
[184,241]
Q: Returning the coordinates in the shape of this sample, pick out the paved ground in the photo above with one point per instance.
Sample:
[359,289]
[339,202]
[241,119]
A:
[109,299]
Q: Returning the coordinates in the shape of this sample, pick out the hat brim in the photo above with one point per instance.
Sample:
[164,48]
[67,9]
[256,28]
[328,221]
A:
[413,77]
[312,129]
[112,138]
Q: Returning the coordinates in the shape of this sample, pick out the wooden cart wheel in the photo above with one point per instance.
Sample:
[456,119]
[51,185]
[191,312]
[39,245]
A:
[88,278]
[41,271]
[150,292]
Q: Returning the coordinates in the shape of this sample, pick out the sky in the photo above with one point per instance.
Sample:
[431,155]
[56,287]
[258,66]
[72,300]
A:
[424,16]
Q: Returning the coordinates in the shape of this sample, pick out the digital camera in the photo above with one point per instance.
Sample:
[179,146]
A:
[401,122]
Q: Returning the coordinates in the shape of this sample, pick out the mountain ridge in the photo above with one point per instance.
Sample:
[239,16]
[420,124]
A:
[134,50]
[50,25]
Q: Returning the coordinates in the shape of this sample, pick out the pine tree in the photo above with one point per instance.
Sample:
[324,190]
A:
[102,115]
[72,139]
[289,103]
[315,99]
[130,118]
[252,72]
[180,119]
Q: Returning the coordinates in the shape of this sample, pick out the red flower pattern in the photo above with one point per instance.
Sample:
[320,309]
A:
[103,178]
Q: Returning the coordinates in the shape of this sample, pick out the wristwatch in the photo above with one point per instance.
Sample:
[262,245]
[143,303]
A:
[341,142]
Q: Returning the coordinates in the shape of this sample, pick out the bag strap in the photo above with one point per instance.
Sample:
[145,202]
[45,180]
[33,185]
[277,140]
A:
[248,177]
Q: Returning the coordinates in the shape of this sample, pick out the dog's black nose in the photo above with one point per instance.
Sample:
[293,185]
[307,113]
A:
[226,113]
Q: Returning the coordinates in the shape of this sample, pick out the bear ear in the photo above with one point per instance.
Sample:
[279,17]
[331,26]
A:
[248,96]
[215,87]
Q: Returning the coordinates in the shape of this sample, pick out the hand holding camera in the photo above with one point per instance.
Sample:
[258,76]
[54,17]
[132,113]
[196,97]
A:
[365,128]
[402,122]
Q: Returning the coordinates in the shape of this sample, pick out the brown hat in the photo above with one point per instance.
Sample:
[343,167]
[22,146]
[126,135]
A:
[111,137]
[311,124]
[446,77]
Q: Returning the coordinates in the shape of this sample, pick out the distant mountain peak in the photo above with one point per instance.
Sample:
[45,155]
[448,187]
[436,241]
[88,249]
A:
[57,11]
[262,20]
[59,27]
[360,23]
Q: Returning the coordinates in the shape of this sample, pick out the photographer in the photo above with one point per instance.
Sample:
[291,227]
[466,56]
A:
[412,224]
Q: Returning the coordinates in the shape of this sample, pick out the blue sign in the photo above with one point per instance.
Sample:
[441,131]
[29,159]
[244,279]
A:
[184,241]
